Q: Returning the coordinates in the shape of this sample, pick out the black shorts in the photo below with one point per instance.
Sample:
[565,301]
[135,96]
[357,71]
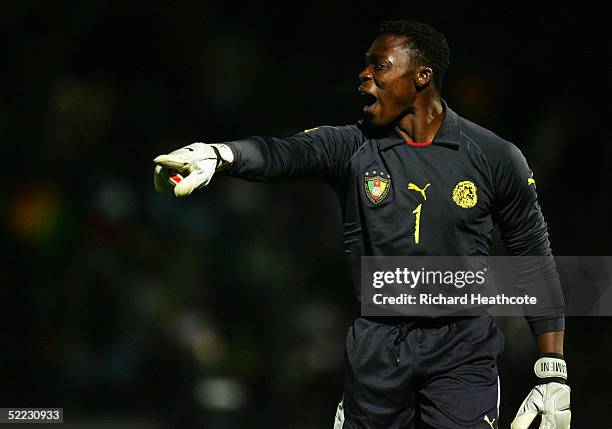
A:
[435,373]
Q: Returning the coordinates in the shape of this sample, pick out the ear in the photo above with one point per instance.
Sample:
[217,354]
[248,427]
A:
[423,76]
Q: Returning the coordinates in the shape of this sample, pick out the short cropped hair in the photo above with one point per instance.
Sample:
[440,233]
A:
[427,46]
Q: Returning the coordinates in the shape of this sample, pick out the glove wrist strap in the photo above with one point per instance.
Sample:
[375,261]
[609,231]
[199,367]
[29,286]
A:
[225,156]
[551,367]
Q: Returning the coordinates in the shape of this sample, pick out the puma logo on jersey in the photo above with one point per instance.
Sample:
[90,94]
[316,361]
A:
[490,422]
[413,187]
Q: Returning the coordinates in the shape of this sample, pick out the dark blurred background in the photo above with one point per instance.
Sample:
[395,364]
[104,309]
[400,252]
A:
[229,309]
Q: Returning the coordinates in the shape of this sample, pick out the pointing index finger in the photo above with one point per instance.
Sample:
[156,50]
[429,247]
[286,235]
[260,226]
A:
[170,162]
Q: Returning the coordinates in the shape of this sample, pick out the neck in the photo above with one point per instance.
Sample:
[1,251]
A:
[423,121]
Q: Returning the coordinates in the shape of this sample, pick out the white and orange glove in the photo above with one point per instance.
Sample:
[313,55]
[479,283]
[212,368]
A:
[550,398]
[190,167]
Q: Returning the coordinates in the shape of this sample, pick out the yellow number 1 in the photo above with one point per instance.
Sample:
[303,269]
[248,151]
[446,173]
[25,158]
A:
[417,222]
[417,211]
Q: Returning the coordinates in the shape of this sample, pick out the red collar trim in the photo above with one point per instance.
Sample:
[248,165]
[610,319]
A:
[418,143]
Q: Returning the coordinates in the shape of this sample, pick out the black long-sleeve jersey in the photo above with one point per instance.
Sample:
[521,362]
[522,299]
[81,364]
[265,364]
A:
[401,198]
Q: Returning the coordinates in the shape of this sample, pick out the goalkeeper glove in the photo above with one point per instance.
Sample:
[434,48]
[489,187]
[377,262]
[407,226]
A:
[550,398]
[190,167]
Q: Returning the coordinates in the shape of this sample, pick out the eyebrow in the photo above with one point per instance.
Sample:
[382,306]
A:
[371,57]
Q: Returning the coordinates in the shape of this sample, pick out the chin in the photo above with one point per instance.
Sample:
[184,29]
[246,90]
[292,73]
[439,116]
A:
[374,121]
[371,119]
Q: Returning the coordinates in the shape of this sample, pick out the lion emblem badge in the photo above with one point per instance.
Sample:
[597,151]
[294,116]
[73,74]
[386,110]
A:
[464,194]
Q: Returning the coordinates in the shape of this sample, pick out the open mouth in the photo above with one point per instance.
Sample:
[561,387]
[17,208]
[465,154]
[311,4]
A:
[370,99]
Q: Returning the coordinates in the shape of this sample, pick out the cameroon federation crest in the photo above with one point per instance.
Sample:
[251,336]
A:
[464,194]
[377,185]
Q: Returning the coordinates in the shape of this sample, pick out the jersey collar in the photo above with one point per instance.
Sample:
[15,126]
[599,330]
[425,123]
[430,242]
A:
[449,134]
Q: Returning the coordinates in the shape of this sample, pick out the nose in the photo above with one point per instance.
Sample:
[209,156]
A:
[365,75]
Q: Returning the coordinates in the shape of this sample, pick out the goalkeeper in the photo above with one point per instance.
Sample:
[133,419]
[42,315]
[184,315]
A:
[412,154]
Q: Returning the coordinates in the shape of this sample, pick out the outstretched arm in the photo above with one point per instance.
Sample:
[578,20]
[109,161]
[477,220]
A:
[320,154]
